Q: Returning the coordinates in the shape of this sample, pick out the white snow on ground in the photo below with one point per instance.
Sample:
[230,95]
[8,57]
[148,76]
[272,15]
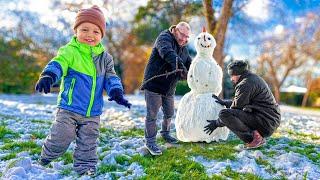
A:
[25,114]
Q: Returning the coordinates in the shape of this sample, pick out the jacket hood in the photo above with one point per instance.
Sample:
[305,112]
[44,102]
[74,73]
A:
[85,48]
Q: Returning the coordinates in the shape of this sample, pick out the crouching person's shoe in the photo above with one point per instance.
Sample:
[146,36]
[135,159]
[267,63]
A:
[257,141]
[43,162]
[153,149]
[170,139]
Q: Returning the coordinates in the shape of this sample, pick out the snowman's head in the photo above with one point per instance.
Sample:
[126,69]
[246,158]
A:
[205,43]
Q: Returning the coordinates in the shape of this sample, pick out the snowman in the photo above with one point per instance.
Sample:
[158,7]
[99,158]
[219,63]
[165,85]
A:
[198,105]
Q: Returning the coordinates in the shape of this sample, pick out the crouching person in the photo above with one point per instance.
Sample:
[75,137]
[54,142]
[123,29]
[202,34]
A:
[85,70]
[253,114]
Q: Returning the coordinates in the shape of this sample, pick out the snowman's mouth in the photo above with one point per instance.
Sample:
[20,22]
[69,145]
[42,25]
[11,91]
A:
[205,46]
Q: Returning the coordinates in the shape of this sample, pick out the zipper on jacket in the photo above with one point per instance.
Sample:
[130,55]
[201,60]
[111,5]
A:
[61,90]
[71,91]
[93,89]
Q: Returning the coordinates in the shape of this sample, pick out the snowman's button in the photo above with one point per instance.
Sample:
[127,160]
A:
[191,76]
[196,80]
[206,85]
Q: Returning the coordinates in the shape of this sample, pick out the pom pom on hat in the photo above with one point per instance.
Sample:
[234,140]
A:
[93,15]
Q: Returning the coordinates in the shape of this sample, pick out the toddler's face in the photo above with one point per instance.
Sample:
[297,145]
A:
[88,33]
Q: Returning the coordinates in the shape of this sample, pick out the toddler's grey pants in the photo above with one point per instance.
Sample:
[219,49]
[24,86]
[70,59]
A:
[69,126]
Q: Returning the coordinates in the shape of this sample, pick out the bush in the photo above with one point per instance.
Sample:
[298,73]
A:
[182,88]
[313,99]
[294,99]
[19,69]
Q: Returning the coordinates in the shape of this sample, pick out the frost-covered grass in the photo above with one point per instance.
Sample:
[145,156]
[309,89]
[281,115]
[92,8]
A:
[6,133]
[175,163]
[134,132]
[293,152]
[21,146]
[171,165]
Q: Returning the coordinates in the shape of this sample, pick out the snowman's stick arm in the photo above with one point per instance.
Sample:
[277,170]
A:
[165,74]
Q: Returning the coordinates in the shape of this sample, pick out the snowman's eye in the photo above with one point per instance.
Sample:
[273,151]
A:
[199,38]
[209,38]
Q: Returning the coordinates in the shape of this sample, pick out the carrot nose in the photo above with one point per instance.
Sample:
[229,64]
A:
[204,29]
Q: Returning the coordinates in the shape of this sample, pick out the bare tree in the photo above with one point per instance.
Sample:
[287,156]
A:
[280,60]
[289,51]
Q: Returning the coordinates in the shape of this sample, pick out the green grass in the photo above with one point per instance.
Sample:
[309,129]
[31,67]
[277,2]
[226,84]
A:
[105,148]
[17,147]
[305,149]
[12,164]
[105,168]
[269,153]
[267,165]
[272,141]
[8,140]
[41,121]
[175,163]
[6,133]
[36,151]
[215,150]
[109,168]
[235,175]
[9,156]
[169,166]
[298,145]
[122,159]
[107,131]
[134,132]
[38,135]
[67,158]
[66,171]
[105,135]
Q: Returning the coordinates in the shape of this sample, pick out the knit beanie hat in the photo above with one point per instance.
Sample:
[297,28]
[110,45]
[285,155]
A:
[237,67]
[92,15]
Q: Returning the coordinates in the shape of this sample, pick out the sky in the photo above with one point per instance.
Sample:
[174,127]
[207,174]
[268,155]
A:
[260,11]
[263,11]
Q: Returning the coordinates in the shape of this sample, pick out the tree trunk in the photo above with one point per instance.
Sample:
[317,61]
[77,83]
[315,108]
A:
[209,14]
[277,93]
[221,30]
[306,95]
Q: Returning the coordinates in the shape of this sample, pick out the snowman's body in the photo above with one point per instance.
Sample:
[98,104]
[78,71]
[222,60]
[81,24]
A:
[198,106]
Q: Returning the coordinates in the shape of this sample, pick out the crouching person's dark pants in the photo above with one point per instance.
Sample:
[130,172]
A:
[243,124]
